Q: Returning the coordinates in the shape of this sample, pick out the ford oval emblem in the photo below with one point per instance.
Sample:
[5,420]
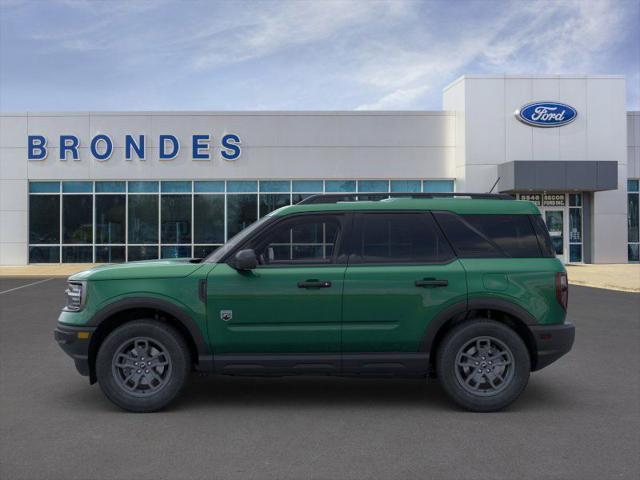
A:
[546,114]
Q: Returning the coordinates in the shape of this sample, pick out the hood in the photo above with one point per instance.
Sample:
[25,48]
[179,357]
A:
[174,268]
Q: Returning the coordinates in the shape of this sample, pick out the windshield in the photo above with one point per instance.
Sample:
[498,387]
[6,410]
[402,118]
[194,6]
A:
[215,256]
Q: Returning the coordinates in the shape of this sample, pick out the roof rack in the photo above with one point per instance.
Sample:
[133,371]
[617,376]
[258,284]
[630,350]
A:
[354,197]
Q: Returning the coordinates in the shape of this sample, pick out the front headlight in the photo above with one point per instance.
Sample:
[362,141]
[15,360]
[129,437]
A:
[75,292]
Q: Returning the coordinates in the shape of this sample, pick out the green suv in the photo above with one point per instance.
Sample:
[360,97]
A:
[462,287]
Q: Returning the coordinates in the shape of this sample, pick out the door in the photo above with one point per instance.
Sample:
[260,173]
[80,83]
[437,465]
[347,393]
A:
[290,304]
[556,226]
[401,274]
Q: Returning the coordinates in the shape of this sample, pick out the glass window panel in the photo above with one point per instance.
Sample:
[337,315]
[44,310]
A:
[575,225]
[633,252]
[77,187]
[143,219]
[208,218]
[44,254]
[271,202]
[176,251]
[242,211]
[632,216]
[401,237]
[209,187]
[373,186]
[405,186]
[111,187]
[307,186]
[575,200]
[201,251]
[242,186]
[143,252]
[109,254]
[44,187]
[633,185]
[340,186]
[44,218]
[575,253]
[77,254]
[110,218]
[298,197]
[174,187]
[274,185]
[438,186]
[77,219]
[143,187]
[176,219]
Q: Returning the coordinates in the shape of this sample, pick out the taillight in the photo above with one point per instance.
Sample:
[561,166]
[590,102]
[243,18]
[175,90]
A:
[562,289]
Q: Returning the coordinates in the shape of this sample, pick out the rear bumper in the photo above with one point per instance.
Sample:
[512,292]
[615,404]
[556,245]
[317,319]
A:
[552,342]
[75,343]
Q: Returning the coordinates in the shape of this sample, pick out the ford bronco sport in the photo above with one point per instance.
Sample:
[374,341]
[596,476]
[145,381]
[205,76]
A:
[462,287]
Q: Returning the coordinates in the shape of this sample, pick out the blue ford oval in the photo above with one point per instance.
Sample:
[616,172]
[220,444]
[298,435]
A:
[546,114]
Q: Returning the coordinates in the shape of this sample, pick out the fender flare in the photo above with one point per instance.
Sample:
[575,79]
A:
[464,307]
[156,304]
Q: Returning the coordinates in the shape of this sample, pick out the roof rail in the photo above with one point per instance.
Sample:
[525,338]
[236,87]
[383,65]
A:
[354,197]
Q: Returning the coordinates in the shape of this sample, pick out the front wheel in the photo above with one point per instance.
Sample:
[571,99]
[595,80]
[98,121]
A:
[143,365]
[483,365]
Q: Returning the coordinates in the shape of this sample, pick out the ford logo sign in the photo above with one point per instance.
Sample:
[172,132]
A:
[546,114]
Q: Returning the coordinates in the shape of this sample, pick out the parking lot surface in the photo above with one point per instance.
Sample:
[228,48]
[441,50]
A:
[578,418]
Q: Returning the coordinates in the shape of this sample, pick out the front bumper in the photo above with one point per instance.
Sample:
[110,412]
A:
[75,343]
[552,342]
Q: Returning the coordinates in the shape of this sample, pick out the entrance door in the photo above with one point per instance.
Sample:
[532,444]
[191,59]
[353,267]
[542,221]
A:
[556,226]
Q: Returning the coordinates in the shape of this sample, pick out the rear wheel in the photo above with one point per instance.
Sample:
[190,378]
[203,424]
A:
[483,365]
[143,365]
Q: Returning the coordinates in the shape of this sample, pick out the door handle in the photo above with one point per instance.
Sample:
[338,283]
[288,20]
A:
[431,282]
[314,284]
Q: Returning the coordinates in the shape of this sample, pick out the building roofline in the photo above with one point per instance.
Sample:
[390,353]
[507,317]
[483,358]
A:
[355,113]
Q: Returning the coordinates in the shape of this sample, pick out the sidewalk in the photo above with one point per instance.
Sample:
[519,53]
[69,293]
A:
[623,277]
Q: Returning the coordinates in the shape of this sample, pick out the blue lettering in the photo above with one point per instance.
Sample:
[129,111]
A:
[37,147]
[130,143]
[201,142]
[164,155]
[72,147]
[108,147]
[231,147]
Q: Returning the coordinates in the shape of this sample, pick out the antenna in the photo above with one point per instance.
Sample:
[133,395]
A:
[494,185]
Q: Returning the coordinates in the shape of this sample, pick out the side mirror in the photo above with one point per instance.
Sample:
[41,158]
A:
[245,260]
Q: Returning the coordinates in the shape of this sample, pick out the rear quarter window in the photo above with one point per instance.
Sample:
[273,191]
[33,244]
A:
[490,236]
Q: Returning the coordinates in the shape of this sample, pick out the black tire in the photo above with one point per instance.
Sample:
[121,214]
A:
[167,365]
[468,349]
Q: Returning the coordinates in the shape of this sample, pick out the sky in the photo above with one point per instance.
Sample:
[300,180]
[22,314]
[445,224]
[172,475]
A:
[297,55]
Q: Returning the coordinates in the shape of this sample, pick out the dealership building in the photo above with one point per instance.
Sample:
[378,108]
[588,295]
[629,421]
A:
[123,186]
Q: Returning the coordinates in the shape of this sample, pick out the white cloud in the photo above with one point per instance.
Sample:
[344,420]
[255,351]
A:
[403,98]
[535,37]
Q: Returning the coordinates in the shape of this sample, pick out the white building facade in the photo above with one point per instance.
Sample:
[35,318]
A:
[123,186]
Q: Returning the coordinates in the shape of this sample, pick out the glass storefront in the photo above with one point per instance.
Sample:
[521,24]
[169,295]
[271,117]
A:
[117,221]
[563,215]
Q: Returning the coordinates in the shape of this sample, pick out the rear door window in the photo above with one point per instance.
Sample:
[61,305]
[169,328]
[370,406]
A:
[399,238]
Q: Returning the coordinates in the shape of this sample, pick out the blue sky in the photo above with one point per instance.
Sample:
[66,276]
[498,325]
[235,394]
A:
[298,55]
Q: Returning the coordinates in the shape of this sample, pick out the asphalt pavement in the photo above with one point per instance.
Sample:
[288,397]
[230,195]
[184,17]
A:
[578,419]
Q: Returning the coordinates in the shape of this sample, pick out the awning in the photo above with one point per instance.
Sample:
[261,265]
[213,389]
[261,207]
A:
[558,176]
